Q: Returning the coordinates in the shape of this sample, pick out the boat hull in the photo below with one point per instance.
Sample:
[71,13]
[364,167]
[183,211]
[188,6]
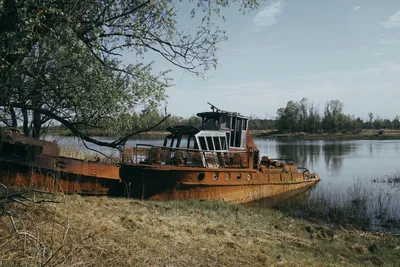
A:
[59,174]
[230,185]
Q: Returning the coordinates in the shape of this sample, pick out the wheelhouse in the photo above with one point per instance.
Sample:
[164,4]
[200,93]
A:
[231,126]
[221,141]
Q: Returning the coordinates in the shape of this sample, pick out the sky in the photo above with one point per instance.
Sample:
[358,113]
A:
[290,49]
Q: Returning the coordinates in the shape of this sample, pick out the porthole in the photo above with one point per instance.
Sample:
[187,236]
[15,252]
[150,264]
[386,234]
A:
[239,176]
[200,177]
[227,176]
[215,176]
[248,176]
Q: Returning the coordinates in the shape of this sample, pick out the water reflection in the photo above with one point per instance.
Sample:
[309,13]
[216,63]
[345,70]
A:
[308,153]
[334,154]
[304,154]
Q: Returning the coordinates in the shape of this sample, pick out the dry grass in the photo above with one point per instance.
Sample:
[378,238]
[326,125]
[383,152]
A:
[73,152]
[102,231]
[85,154]
[114,157]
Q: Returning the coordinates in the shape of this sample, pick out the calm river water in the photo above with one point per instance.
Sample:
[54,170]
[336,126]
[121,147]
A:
[341,165]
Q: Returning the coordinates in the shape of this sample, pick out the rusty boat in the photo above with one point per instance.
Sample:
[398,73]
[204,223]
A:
[219,161]
[30,163]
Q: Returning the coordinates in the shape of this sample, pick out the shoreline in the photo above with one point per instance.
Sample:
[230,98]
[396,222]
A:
[363,135]
[272,134]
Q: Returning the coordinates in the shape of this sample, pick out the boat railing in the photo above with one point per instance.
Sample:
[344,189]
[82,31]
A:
[190,157]
[288,161]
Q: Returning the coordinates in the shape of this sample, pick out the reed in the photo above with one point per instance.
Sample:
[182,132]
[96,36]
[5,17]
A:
[392,178]
[362,205]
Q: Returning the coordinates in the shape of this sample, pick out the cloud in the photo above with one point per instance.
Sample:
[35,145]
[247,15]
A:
[355,9]
[393,21]
[375,54]
[272,47]
[389,41]
[267,16]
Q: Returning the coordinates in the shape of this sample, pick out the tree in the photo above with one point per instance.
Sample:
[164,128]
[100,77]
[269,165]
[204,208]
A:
[194,121]
[371,119]
[396,122]
[332,116]
[288,118]
[303,106]
[61,59]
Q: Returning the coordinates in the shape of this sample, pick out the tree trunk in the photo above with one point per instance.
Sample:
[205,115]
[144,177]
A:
[14,122]
[37,124]
[25,123]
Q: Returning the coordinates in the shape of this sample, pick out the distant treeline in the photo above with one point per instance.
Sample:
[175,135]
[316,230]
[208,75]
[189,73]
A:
[301,116]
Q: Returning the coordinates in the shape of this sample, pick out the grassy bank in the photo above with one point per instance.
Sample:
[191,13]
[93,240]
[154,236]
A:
[102,231]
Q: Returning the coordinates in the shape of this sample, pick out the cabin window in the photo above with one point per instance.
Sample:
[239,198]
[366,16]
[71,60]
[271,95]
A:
[238,138]
[210,123]
[7,149]
[233,135]
[21,151]
[225,122]
[210,143]
[202,141]
[223,143]
[217,143]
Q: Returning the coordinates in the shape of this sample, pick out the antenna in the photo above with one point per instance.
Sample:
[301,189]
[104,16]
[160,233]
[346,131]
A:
[215,109]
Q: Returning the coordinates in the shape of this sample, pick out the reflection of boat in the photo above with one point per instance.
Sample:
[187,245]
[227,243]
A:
[286,199]
[219,161]
[31,163]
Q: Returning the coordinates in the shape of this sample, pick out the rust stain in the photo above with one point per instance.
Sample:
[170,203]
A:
[35,164]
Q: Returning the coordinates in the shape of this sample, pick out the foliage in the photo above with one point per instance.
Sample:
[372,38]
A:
[62,60]
[256,123]
[305,117]
[146,119]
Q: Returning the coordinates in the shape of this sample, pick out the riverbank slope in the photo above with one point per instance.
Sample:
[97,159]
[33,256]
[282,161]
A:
[102,231]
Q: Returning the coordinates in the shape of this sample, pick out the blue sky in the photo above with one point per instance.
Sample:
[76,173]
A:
[286,50]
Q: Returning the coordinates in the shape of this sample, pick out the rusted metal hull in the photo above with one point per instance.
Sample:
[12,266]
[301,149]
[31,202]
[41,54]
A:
[231,185]
[59,174]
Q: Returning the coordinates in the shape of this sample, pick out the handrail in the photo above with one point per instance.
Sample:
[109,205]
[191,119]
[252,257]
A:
[282,159]
[205,154]
[303,168]
[192,149]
